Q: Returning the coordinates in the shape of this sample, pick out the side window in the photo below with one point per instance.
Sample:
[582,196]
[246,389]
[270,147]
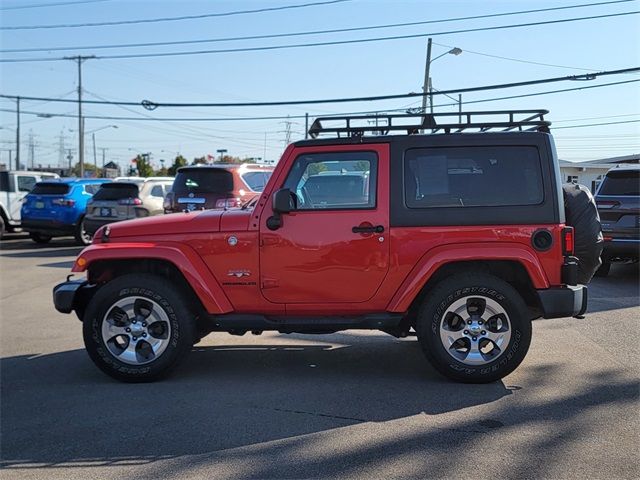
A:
[26,184]
[157,191]
[91,188]
[472,177]
[334,180]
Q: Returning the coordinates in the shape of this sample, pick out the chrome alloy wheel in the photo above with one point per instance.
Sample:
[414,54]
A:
[136,330]
[475,330]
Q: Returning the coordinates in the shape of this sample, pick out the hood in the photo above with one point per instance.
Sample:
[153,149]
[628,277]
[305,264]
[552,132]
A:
[207,221]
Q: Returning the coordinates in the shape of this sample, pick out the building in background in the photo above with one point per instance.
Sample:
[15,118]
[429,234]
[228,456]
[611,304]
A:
[592,172]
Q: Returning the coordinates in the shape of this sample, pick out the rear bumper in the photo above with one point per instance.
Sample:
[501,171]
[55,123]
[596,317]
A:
[49,227]
[621,247]
[567,301]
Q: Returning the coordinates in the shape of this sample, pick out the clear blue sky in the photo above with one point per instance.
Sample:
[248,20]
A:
[387,67]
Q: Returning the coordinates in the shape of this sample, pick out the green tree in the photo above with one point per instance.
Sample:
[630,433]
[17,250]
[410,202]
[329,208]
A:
[315,168]
[199,161]
[143,165]
[178,162]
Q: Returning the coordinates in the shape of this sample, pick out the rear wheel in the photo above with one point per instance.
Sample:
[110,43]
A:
[40,237]
[474,328]
[2,227]
[81,235]
[137,328]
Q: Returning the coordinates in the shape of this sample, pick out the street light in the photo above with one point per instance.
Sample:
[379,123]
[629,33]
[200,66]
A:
[426,88]
[93,137]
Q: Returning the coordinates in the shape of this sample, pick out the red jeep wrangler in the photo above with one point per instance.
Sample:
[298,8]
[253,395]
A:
[459,235]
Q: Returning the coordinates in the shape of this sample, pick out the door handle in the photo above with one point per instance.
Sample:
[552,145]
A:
[368,229]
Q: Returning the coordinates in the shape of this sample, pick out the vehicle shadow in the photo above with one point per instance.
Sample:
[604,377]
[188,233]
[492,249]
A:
[223,397]
[52,250]
[620,289]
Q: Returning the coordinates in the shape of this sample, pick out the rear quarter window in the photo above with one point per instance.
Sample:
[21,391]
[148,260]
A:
[461,177]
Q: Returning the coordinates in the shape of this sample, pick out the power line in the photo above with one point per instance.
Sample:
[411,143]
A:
[149,105]
[331,43]
[305,33]
[174,19]
[45,5]
[597,124]
[466,50]
[223,119]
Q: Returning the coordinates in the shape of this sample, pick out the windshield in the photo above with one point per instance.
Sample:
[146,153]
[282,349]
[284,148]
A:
[116,191]
[43,188]
[623,182]
[204,180]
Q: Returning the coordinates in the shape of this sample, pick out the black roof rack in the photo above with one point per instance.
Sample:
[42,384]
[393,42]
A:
[414,123]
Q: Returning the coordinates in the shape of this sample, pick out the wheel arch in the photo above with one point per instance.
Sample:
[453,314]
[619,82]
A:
[177,263]
[513,263]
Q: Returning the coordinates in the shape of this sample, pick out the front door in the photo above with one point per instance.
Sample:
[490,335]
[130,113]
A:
[334,247]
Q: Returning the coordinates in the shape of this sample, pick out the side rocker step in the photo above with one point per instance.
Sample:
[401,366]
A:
[233,322]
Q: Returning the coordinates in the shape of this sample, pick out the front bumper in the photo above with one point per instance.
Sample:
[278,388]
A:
[567,301]
[73,295]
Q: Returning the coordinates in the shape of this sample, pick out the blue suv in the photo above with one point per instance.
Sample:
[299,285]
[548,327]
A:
[57,208]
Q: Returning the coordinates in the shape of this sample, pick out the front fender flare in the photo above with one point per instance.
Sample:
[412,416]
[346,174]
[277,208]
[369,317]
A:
[183,257]
[437,257]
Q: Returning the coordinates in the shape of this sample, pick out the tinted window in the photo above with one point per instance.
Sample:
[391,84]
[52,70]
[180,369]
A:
[256,180]
[116,191]
[472,176]
[43,188]
[157,191]
[203,180]
[92,188]
[624,182]
[26,184]
[334,180]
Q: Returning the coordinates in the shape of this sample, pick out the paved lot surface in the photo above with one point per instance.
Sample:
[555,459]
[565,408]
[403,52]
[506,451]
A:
[361,405]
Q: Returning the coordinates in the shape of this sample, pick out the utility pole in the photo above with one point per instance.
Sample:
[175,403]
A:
[95,160]
[459,108]
[32,159]
[427,80]
[103,155]
[306,126]
[61,150]
[70,159]
[17,135]
[80,59]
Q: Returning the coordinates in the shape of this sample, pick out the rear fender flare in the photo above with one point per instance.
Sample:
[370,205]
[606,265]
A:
[437,257]
[183,257]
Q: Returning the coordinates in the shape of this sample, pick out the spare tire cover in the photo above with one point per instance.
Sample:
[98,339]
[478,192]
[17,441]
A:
[582,214]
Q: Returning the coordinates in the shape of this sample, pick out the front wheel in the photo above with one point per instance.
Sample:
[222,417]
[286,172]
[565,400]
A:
[474,328]
[137,328]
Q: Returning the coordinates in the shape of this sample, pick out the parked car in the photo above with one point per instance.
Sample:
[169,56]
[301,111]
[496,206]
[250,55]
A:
[618,200]
[57,208]
[462,238]
[124,200]
[215,186]
[14,186]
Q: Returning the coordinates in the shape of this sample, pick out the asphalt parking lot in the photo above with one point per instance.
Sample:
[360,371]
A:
[362,405]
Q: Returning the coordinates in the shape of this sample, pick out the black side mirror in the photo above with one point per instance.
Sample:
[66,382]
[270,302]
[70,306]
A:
[284,201]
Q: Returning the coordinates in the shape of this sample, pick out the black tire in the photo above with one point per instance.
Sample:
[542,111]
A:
[475,286]
[2,228]
[81,235]
[40,237]
[582,214]
[603,271]
[179,338]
